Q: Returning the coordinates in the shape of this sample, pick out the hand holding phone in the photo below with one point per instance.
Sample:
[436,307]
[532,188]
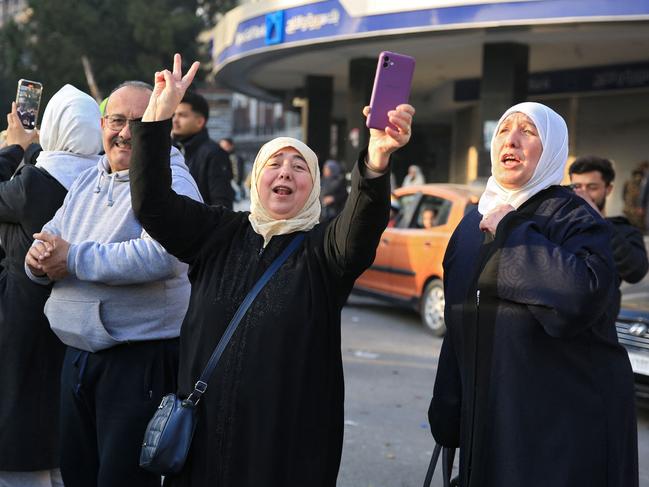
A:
[391,87]
[28,100]
[16,133]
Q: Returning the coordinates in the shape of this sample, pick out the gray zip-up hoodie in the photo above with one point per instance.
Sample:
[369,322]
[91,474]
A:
[123,286]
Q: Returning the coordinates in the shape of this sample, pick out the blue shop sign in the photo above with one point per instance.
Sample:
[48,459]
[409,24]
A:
[275,28]
[329,21]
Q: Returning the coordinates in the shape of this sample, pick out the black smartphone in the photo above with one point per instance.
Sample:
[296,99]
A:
[28,101]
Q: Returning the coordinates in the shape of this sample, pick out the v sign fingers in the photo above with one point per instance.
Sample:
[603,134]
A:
[178,66]
[170,87]
[189,77]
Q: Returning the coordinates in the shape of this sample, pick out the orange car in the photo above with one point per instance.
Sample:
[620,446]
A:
[407,269]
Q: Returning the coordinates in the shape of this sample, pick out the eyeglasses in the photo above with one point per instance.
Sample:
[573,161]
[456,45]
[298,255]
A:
[117,123]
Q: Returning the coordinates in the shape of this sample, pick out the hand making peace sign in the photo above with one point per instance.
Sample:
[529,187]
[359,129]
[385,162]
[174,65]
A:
[168,89]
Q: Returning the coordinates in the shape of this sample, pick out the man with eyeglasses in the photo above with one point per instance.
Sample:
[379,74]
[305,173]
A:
[207,161]
[117,302]
[591,177]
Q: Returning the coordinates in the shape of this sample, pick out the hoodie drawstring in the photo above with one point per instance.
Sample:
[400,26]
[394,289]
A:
[110,189]
[111,184]
[100,176]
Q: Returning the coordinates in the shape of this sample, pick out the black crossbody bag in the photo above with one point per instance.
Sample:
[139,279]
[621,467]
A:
[169,433]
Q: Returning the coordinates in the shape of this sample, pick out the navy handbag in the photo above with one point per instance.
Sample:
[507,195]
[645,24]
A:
[169,433]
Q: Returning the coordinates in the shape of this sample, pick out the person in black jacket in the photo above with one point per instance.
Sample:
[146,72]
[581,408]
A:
[31,355]
[592,179]
[273,412]
[237,164]
[208,163]
[532,384]
[333,193]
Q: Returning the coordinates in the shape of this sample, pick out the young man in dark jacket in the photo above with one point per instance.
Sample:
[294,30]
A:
[592,179]
[208,163]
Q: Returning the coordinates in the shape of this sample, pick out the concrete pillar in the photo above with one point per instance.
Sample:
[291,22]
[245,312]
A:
[319,95]
[504,83]
[359,92]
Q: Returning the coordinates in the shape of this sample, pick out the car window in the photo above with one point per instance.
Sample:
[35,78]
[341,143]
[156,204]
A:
[408,205]
[431,212]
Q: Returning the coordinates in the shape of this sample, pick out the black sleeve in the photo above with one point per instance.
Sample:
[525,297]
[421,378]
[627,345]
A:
[10,158]
[629,252]
[340,194]
[32,152]
[445,408]
[352,237]
[179,223]
[219,175]
[13,196]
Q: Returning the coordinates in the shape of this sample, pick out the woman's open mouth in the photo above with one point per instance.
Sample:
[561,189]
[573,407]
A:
[509,160]
[282,190]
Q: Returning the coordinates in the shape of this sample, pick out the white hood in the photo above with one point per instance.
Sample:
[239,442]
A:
[70,135]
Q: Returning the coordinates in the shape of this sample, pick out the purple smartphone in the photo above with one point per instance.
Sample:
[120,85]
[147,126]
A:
[391,87]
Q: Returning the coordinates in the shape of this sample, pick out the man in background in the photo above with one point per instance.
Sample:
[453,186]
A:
[236,162]
[208,163]
[592,179]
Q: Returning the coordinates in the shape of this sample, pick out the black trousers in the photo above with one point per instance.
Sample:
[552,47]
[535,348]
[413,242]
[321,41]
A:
[107,399]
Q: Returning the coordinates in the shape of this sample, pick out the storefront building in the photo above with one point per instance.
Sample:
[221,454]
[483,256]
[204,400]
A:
[588,59]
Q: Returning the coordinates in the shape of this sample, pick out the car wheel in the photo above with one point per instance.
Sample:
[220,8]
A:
[432,308]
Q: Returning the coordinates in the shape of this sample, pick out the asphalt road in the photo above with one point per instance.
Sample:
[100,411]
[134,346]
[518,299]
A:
[390,363]
[389,373]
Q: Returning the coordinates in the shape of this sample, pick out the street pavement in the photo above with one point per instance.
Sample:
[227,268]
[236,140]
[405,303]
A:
[390,363]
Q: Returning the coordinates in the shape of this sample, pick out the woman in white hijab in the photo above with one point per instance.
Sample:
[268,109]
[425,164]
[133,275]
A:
[273,411]
[31,355]
[414,177]
[532,385]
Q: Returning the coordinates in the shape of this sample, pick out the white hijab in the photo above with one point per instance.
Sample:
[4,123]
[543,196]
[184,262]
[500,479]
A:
[549,171]
[70,135]
[264,224]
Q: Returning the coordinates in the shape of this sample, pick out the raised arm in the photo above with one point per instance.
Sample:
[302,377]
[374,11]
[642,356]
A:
[18,140]
[10,157]
[352,237]
[12,191]
[177,222]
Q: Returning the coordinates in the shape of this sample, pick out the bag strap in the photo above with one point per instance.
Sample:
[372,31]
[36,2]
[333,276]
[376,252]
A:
[432,465]
[448,455]
[201,385]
